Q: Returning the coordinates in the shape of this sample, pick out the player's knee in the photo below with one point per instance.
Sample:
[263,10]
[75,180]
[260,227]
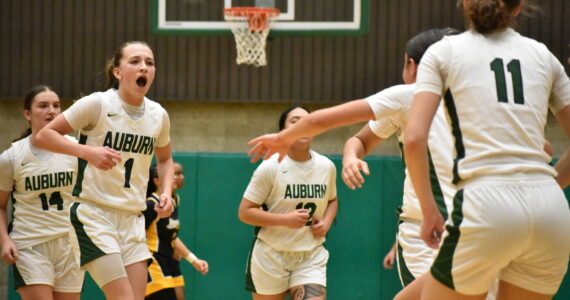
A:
[309,292]
[106,269]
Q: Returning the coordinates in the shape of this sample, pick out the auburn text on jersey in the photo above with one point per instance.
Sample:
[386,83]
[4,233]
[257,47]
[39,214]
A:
[305,191]
[128,142]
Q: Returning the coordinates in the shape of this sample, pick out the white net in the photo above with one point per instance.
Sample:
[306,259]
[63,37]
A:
[250,29]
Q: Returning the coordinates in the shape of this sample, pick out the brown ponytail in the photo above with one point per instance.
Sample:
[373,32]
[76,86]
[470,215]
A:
[110,79]
[24,134]
[487,16]
[28,100]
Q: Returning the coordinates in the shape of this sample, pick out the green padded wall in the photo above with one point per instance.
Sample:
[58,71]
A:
[363,232]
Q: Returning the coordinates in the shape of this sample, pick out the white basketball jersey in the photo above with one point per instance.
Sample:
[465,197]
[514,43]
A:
[283,187]
[42,195]
[497,89]
[391,108]
[124,186]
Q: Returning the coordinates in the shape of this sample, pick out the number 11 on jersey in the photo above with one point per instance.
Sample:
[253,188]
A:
[514,67]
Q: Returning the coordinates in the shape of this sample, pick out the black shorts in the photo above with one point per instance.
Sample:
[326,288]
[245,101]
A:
[166,294]
[163,273]
[170,267]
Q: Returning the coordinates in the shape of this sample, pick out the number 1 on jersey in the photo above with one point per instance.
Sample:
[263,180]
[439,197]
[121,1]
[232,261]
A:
[128,169]
[514,67]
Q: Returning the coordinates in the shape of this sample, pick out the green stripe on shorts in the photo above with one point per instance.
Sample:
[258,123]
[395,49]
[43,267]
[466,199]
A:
[89,251]
[405,275]
[18,279]
[443,264]
[248,279]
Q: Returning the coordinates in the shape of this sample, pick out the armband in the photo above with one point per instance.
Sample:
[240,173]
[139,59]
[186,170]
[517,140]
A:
[191,258]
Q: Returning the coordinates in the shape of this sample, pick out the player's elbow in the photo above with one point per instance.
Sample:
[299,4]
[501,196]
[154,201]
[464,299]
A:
[39,139]
[242,216]
[414,141]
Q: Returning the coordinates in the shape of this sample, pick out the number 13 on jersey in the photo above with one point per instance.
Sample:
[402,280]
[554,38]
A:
[311,207]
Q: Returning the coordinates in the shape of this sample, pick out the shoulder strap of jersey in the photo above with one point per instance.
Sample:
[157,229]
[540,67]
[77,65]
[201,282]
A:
[154,198]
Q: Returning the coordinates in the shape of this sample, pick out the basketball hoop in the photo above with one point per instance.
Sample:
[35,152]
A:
[250,26]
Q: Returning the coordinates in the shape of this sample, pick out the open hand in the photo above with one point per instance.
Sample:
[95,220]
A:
[351,175]
[265,146]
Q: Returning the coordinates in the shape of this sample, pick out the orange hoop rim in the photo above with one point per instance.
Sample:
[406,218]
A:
[249,12]
[256,17]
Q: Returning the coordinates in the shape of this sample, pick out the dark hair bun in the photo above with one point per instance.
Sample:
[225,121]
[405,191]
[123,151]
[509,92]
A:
[487,16]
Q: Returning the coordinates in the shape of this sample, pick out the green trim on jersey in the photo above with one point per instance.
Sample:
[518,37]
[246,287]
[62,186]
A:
[248,278]
[436,188]
[18,279]
[81,165]
[456,131]
[443,264]
[89,251]
[11,223]
[402,153]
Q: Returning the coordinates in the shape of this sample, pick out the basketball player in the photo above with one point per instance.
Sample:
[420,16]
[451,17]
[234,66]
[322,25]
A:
[510,218]
[40,183]
[120,131]
[165,279]
[293,205]
[387,112]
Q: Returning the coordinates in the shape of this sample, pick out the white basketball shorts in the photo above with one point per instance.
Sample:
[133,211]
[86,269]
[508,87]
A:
[517,230]
[51,263]
[272,272]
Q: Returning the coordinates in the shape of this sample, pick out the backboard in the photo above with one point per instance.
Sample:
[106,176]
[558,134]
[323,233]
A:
[298,17]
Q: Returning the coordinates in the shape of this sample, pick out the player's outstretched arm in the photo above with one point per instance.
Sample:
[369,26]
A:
[563,165]
[309,126]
